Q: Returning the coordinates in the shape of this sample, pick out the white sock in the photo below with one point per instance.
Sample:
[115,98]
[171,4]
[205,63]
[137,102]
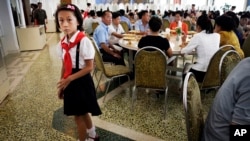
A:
[91,132]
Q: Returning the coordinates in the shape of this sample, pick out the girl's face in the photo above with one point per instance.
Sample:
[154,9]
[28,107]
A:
[68,22]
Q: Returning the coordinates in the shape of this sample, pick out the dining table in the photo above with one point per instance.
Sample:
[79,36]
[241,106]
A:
[130,42]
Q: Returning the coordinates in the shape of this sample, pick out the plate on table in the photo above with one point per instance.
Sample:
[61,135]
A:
[134,31]
[128,38]
[191,32]
[128,35]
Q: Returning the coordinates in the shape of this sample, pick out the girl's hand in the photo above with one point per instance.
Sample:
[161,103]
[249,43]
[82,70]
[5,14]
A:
[60,94]
[63,83]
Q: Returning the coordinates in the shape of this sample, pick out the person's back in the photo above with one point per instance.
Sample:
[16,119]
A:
[87,23]
[231,105]
[230,38]
[208,45]
[224,25]
[156,41]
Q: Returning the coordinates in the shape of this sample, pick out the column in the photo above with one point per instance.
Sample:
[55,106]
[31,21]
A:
[9,39]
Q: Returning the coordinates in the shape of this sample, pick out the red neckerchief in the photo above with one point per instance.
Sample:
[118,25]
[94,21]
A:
[67,57]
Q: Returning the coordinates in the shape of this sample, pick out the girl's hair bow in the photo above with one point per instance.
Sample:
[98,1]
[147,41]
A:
[71,7]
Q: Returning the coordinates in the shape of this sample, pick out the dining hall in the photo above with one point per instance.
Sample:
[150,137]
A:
[124,70]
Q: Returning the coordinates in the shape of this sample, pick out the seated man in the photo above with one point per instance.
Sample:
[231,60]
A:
[142,24]
[101,36]
[178,23]
[124,18]
[87,23]
[115,29]
[231,105]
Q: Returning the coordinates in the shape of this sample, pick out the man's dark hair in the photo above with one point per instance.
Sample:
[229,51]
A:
[155,24]
[99,13]
[115,15]
[234,17]
[225,22]
[244,16]
[92,13]
[142,13]
[122,12]
[179,12]
[104,12]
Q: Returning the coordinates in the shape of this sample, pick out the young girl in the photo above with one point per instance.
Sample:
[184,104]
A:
[76,86]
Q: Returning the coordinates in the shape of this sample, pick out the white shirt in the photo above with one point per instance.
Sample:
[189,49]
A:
[112,29]
[206,45]
[87,24]
[87,51]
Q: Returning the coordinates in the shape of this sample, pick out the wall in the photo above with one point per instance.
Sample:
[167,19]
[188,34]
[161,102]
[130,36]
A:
[9,39]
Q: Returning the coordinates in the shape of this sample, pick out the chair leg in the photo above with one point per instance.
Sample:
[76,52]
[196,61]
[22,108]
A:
[106,91]
[98,82]
[165,102]
[130,89]
[94,71]
[193,59]
[133,98]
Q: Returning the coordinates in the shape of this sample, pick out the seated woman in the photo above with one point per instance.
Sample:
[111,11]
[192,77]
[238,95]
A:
[206,43]
[178,20]
[224,25]
[154,39]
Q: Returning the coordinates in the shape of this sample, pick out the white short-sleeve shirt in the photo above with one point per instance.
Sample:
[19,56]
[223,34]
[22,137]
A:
[87,51]
[112,29]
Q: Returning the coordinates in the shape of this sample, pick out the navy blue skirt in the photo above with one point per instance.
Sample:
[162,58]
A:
[80,97]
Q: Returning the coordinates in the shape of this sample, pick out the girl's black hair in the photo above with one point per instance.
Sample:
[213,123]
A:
[205,23]
[72,8]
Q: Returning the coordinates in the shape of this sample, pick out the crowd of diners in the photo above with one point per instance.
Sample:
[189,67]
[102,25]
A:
[213,31]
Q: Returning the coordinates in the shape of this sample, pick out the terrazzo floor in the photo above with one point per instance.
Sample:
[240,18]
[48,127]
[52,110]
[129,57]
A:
[32,111]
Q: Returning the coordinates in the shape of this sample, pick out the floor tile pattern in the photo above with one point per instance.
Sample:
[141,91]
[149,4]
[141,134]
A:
[147,114]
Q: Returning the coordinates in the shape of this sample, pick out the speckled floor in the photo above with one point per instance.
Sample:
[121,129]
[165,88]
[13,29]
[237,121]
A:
[32,111]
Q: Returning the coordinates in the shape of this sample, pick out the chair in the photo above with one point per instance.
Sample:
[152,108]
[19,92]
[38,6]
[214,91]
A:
[212,76]
[246,47]
[148,73]
[110,71]
[94,26]
[193,108]
[124,26]
[165,24]
[228,61]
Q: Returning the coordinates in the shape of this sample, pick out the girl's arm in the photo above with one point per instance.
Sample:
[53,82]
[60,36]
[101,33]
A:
[63,83]
[62,70]
[87,69]
[60,88]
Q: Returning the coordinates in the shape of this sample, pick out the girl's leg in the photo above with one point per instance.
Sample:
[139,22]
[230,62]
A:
[81,127]
[90,128]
